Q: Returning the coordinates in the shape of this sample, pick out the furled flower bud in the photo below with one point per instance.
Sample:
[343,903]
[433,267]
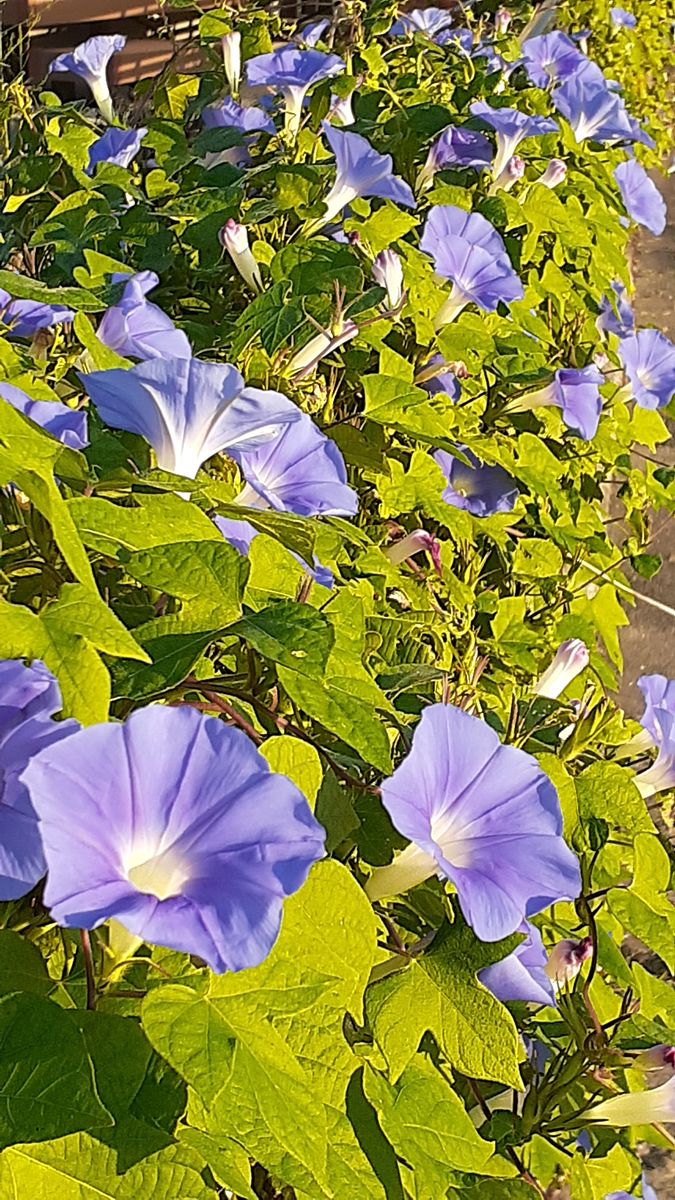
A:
[388,273]
[340,111]
[566,959]
[510,174]
[554,173]
[571,658]
[637,1108]
[234,238]
[412,544]
[655,1058]
[306,359]
[231,45]
[502,20]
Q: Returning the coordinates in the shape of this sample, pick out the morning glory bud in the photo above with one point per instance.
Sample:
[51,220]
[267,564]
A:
[655,1058]
[502,20]
[412,544]
[327,340]
[570,660]
[510,174]
[387,272]
[637,1108]
[340,110]
[566,959]
[234,238]
[231,46]
[554,173]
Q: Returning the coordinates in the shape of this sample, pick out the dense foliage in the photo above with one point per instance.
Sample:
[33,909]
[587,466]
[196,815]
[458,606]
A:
[361,1058]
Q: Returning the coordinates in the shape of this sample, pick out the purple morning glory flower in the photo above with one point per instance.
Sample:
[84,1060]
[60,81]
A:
[642,199]
[462,39]
[484,816]
[456,147]
[621,19]
[361,171]
[493,62]
[428,21]
[188,410]
[437,381]
[521,975]
[576,392]
[593,111]
[116,146]
[240,534]
[312,33]
[511,128]
[300,470]
[658,693]
[660,776]
[616,317]
[149,838]
[648,358]
[468,250]
[136,328]
[479,489]
[227,114]
[292,72]
[90,61]
[29,696]
[66,424]
[24,318]
[551,57]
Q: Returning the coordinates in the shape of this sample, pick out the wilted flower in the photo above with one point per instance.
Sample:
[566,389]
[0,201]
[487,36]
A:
[240,534]
[554,174]
[116,146]
[234,238]
[468,250]
[656,1058]
[550,58]
[299,470]
[188,410]
[136,328]
[90,61]
[636,1108]
[621,19]
[648,358]
[479,489]
[387,271]
[502,20]
[571,658]
[305,360]
[29,697]
[68,425]
[312,33]
[593,111]
[429,21]
[521,975]
[566,960]
[484,816]
[511,128]
[361,171]
[341,110]
[510,174]
[455,147]
[23,318]
[616,317]
[147,838]
[412,544]
[292,72]
[231,47]
[437,381]
[576,392]
[642,199]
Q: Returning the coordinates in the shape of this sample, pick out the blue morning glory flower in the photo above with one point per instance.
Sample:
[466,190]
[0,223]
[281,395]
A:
[312,33]
[23,318]
[456,147]
[429,21]
[90,61]
[616,317]
[551,57]
[593,111]
[479,489]
[576,392]
[481,814]
[439,382]
[188,410]
[240,534]
[641,197]
[521,975]
[511,127]
[361,171]
[300,471]
[68,425]
[658,693]
[136,328]
[148,838]
[227,114]
[660,776]
[116,146]
[622,19]
[648,358]
[292,72]
[29,697]
[468,250]
[462,39]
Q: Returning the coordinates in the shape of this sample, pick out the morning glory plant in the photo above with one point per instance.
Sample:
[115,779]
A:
[428,21]
[658,693]
[148,839]
[412,544]
[67,425]
[361,171]
[511,128]
[616,315]
[136,328]
[311,34]
[234,238]
[89,61]
[554,174]
[116,146]
[566,960]
[438,378]
[550,58]
[622,19]
[188,410]
[521,976]
[595,113]
[249,120]
[636,1108]
[660,776]
[24,318]
[482,815]
[292,72]
[467,249]
[387,272]
[641,197]
[230,45]
[474,486]
[240,535]
[576,392]
[648,358]
[570,659]
[455,147]
[305,361]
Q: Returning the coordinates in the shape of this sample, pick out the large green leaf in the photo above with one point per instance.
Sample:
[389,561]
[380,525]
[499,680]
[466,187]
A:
[152,520]
[207,576]
[20,287]
[291,634]
[298,760]
[606,791]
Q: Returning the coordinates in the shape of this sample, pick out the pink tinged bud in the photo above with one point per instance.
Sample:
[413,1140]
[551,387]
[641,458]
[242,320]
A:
[388,273]
[554,173]
[412,544]
[511,173]
[566,960]
[231,45]
[502,20]
[234,238]
[656,1058]
[308,358]
[571,659]
[637,1108]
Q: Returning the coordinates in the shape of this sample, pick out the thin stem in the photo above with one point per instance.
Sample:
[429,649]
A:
[89,969]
